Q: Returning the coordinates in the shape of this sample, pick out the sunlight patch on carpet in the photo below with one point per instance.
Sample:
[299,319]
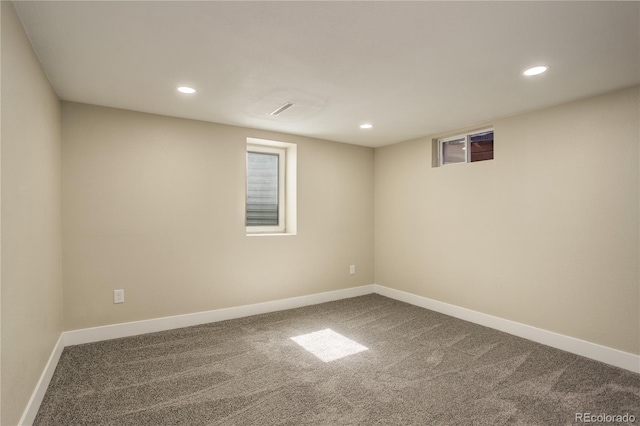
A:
[328,345]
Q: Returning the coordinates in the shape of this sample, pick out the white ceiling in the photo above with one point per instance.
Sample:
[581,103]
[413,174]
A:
[409,68]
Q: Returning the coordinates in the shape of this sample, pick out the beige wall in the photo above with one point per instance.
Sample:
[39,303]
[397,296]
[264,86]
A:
[546,234]
[31,241]
[155,206]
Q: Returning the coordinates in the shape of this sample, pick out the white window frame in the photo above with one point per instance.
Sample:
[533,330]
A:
[467,151]
[287,186]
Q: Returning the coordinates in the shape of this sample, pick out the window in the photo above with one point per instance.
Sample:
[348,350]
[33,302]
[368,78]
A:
[467,148]
[270,192]
[265,188]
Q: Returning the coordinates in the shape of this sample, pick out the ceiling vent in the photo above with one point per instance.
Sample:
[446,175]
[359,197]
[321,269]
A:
[283,108]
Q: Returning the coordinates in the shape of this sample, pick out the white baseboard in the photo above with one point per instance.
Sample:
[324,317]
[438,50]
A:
[559,341]
[570,344]
[30,412]
[88,335]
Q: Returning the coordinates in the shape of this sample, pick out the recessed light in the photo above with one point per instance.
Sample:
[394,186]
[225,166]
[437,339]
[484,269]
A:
[186,89]
[535,70]
[366,126]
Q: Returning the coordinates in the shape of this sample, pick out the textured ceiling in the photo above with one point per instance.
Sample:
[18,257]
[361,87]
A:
[409,68]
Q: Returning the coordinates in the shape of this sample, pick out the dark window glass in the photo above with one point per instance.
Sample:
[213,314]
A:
[481,146]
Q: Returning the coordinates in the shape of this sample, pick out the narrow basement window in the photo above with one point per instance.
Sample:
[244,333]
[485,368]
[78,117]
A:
[265,189]
[466,148]
[270,207]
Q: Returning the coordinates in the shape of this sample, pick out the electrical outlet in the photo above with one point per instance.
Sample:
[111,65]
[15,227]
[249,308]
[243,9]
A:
[352,269]
[118,296]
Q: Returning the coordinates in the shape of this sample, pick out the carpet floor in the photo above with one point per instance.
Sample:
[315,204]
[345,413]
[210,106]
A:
[421,368]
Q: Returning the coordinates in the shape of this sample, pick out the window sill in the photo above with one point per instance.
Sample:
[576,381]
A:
[267,234]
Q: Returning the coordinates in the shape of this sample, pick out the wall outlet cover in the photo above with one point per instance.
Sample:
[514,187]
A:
[118,296]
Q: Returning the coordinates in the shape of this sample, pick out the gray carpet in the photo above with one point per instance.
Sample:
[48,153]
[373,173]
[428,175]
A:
[421,368]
